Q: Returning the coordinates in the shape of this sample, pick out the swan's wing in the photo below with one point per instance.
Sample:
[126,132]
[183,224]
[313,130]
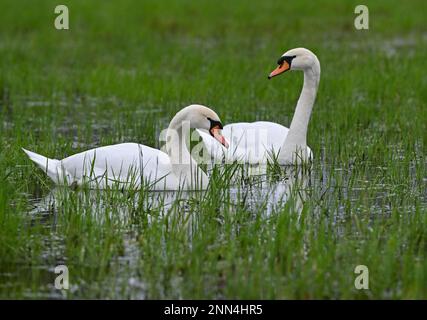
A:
[252,142]
[276,134]
[249,142]
[126,162]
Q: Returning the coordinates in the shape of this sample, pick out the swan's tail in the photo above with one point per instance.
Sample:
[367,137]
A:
[50,166]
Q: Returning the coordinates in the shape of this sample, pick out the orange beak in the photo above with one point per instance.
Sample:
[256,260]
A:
[280,69]
[216,133]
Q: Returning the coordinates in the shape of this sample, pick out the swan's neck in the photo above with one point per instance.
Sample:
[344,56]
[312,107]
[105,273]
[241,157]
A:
[297,136]
[184,167]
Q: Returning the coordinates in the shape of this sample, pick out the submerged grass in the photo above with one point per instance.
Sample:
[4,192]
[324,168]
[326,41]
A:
[123,70]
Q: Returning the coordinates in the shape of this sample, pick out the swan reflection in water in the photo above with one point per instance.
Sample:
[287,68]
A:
[258,194]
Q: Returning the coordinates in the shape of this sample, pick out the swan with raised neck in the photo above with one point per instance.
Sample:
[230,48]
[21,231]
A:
[262,141]
[294,149]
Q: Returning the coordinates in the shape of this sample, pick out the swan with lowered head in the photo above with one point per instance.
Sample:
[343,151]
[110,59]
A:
[131,164]
[257,142]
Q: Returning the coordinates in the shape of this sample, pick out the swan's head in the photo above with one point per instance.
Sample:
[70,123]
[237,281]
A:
[204,118]
[296,59]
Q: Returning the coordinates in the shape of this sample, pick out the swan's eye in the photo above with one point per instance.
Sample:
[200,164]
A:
[288,59]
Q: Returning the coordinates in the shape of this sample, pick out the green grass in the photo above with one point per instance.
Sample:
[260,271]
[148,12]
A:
[120,74]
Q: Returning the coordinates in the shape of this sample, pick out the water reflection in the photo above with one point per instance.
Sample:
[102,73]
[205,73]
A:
[260,194]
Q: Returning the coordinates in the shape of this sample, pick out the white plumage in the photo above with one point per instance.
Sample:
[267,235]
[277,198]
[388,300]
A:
[260,141]
[129,165]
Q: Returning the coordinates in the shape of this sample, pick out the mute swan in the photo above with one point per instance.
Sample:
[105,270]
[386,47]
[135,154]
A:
[256,142]
[129,163]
